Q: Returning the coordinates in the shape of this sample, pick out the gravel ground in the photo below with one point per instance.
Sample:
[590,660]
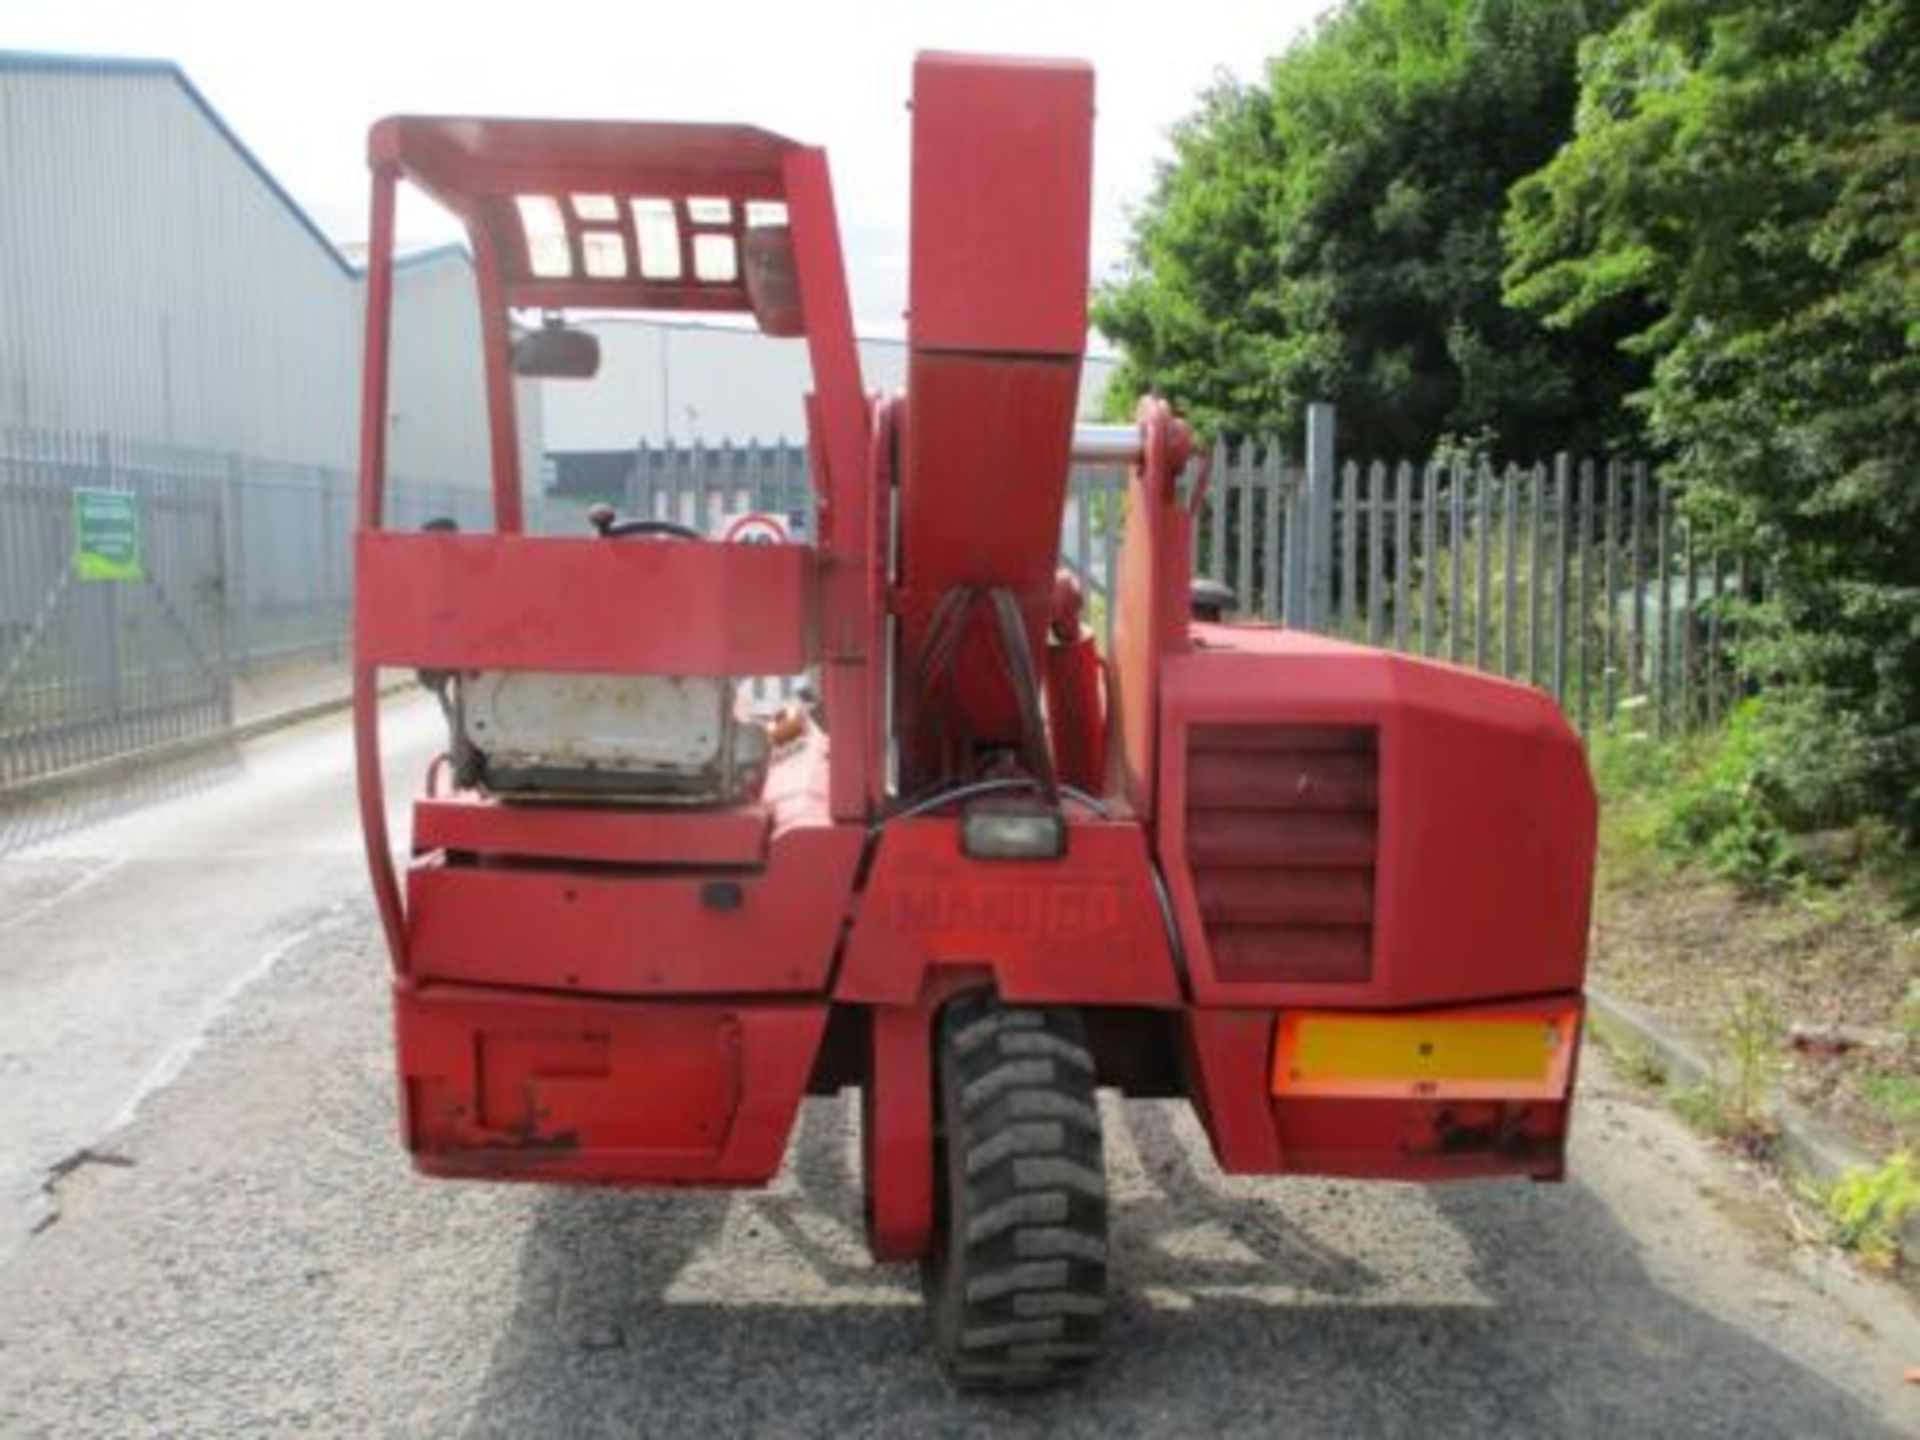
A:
[251,1256]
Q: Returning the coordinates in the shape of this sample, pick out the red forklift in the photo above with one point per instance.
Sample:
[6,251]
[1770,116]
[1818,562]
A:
[1335,898]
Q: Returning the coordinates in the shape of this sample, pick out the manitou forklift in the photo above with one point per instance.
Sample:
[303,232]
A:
[1335,898]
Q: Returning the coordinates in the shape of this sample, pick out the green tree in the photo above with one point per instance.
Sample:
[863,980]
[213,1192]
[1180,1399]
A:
[1742,194]
[1335,234]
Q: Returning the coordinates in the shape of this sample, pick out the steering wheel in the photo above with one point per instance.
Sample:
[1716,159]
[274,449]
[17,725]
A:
[609,526]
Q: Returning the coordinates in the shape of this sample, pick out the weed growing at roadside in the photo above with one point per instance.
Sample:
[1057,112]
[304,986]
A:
[1702,1107]
[1908,1015]
[1752,1036]
[1735,1103]
[1640,1064]
[1895,1096]
[1865,1208]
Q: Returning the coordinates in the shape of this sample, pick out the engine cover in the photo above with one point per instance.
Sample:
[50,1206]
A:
[652,737]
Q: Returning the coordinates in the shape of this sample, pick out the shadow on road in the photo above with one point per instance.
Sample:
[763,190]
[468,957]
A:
[663,1312]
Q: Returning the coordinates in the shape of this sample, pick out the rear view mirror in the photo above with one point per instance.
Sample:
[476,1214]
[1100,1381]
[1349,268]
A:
[555,352]
[772,280]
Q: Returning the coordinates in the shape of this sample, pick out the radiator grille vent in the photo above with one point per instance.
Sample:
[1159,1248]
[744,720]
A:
[1282,826]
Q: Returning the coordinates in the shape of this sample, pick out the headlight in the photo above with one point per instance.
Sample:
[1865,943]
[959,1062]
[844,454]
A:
[999,830]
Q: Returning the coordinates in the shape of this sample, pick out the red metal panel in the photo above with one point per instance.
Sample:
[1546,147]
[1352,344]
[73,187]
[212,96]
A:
[850,469]
[513,1086]
[612,834]
[1077,711]
[593,606]
[1485,822]
[1002,195]
[1150,600]
[1083,928]
[768,931]
[503,418]
[897,1121]
[1229,1059]
[369,787]
[987,448]
[458,159]
[1427,1140]
[1229,1055]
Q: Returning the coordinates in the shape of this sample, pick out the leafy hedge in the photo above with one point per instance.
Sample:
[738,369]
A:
[1690,226]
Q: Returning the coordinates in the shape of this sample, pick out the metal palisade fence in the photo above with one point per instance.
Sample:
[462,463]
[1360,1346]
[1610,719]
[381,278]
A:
[1579,576]
[138,581]
[1575,575]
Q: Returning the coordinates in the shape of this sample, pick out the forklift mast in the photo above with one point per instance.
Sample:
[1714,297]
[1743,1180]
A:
[996,326]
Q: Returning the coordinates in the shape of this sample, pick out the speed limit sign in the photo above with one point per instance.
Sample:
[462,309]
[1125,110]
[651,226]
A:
[756,527]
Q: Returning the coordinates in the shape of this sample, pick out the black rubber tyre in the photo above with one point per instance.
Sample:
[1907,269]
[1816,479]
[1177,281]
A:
[1016,1281]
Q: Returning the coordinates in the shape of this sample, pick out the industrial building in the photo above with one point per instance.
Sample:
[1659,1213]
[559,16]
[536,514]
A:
[671,383]
[158,285]
[674,382]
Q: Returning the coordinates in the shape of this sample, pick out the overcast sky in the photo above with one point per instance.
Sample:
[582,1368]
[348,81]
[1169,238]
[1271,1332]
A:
[301,83]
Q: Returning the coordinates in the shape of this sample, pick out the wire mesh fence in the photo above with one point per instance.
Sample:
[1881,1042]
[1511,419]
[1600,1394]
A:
[1579,577]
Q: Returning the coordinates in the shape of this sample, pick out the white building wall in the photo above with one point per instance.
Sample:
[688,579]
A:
[437,389]
[436,425]
[155,284]
[662,380]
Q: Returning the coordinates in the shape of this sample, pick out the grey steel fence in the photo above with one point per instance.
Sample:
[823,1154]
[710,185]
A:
[237,566]
[91,667]
[1577,576]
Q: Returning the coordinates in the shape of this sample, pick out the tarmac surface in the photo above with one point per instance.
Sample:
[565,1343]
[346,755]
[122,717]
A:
[213,1230]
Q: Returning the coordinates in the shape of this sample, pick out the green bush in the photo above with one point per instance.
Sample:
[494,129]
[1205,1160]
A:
[1738,193]
[1785,767]
[1722,813]
[1788,791]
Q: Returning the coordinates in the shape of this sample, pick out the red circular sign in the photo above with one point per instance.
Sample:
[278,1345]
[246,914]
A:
[757,528]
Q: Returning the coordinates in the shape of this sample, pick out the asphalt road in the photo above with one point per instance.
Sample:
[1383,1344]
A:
[127,926]
[248,1254]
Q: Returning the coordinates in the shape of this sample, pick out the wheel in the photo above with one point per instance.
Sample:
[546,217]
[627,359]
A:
[1016,1280]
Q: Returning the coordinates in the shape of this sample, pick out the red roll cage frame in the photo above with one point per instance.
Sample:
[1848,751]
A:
[513,601]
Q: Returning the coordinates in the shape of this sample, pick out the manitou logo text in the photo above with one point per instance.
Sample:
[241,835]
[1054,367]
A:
[1044,914]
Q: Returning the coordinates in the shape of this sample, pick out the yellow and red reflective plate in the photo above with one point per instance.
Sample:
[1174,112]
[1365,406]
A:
[1443,1055]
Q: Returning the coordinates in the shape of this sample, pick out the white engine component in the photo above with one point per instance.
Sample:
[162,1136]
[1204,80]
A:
[640,736]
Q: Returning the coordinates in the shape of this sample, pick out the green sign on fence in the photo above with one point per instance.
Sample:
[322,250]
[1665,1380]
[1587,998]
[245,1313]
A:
[106,535]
